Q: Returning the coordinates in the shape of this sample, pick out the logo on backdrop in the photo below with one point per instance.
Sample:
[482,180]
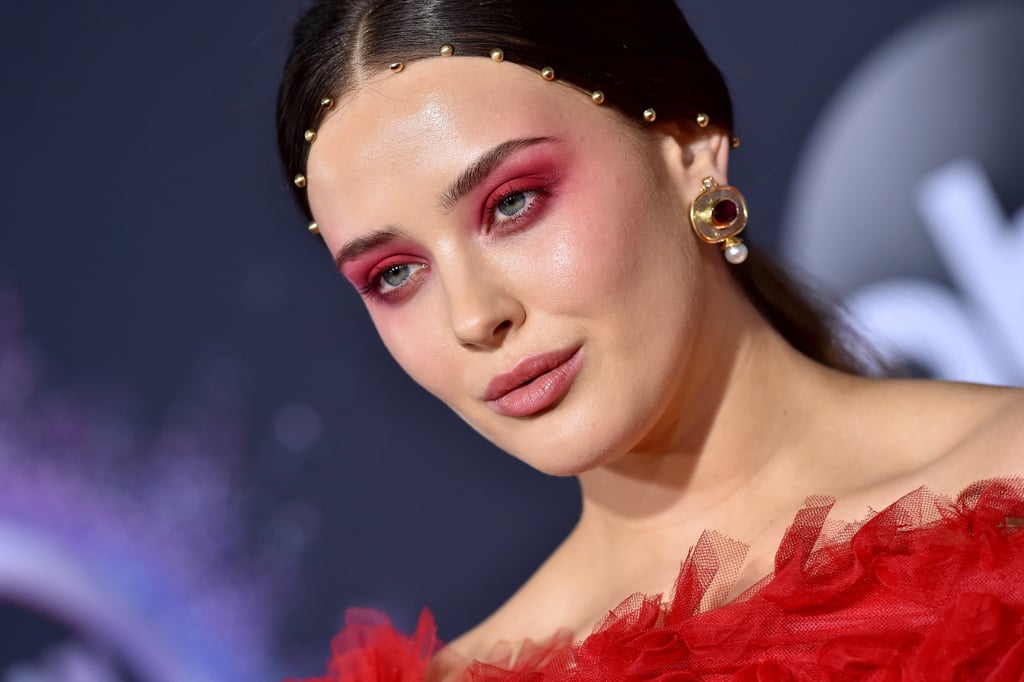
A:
[908,201]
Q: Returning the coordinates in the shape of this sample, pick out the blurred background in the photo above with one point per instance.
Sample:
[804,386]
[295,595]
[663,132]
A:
[205,454]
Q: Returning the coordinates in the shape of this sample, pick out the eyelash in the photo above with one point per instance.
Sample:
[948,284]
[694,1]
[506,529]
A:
[533,196]
[373,281]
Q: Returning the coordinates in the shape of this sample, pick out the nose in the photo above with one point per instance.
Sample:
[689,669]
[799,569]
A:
[483,309]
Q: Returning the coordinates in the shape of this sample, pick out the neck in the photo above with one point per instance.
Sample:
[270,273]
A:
[740,437]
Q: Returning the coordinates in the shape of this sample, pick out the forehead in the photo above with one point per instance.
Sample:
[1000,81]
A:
[429,121]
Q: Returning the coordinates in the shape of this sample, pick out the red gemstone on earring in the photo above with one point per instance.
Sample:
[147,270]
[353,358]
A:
[725,213]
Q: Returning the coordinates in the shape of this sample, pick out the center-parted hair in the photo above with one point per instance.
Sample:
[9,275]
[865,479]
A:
[640,54]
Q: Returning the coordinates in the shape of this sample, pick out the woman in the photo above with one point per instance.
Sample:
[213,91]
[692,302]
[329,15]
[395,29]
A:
[529,199]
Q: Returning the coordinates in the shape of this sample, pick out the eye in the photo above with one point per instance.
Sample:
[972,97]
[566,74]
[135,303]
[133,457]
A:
[512,204]
[396,276]
[513,207]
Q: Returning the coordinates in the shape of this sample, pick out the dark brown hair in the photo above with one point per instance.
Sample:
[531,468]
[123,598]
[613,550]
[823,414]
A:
[641,54]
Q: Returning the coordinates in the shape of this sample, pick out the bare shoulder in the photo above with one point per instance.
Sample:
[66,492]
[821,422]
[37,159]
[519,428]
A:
[945,435]
[972,431]
[912,433]
[994,446]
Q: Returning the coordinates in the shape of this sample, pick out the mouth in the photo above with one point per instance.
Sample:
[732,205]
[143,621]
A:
[535,384]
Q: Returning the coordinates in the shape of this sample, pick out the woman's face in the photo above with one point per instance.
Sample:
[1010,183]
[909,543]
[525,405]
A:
[525,255]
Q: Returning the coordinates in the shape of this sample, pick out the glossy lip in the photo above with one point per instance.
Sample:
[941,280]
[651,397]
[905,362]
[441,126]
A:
[535,383]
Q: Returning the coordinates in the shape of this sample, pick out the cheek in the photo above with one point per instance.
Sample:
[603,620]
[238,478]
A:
[417,342]
[605,252]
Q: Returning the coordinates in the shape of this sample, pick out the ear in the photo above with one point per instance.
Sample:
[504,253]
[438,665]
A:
[692,158]
[707,155]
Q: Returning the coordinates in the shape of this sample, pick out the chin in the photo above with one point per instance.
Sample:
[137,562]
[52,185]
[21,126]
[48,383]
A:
[560,467]
[566,441]
[562,457]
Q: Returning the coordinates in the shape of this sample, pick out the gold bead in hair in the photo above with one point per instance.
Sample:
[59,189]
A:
[327,102]
[597,96]
[447,50]
[650,115]
[547,73]
[735,143]
[314,228]
[309,135]
[299,180]
[703,120]
[397,67]
[497,54]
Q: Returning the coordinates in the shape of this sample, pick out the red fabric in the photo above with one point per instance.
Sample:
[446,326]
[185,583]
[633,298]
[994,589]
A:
[928,589]
[369,648]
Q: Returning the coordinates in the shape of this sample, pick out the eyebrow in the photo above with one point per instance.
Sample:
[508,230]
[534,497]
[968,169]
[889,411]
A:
[477,171]
[357,247]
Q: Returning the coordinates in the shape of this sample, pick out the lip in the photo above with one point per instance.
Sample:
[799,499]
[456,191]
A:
[535,383]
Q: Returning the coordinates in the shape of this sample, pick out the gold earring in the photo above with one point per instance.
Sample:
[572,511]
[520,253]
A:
[396,67]
[313,228]
[309,135]
[447,50]
[597,96]
[497,54]
[327,102]
[299,180]
[547,73]
[718,214]
[703,120]
[650,115]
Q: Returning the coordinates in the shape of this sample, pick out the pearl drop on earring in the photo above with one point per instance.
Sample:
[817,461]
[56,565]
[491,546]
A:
[736,253]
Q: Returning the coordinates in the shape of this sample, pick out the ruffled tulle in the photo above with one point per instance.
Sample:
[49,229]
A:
[927,589]
[370,648]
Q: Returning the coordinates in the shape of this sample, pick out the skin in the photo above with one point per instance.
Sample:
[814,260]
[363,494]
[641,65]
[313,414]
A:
[688,412]
[611,223]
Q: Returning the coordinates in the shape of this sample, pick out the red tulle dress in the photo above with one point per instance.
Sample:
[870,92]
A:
[929,589]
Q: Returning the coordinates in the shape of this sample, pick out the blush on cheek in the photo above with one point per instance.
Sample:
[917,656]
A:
[591,259]
[603,242]
[419,342]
